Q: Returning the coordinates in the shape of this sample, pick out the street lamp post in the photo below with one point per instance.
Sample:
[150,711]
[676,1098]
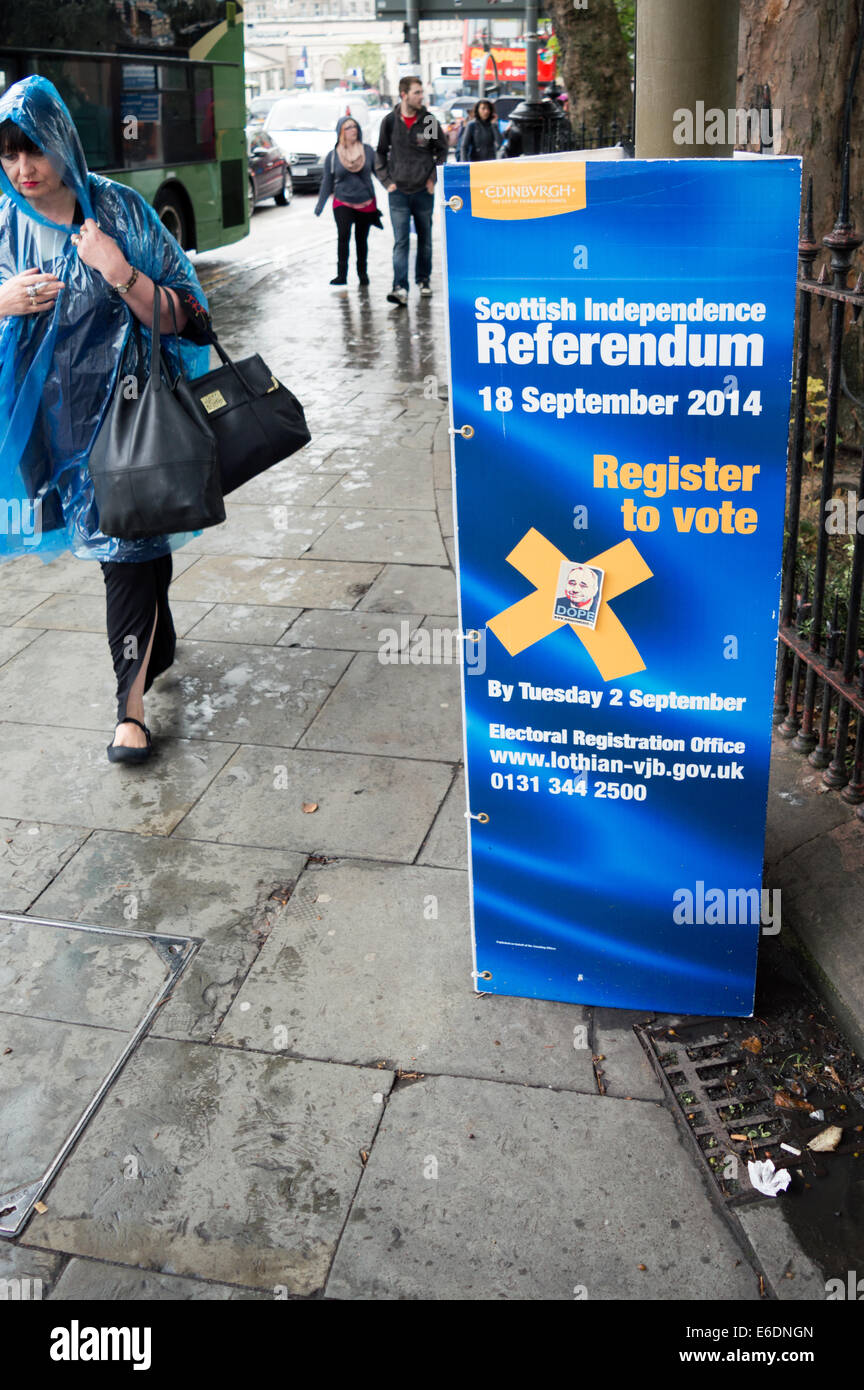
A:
[540,124]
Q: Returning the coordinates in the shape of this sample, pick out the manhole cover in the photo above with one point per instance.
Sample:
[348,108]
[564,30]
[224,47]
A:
[76,1001]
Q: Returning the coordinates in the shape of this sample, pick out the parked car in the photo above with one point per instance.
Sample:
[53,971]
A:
[259,108]
[304,128]
[269,175]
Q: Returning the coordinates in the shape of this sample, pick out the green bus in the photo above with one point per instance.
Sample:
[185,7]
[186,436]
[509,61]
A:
[156,91]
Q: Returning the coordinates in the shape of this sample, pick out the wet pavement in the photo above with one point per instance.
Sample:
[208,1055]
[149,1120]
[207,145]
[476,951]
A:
[323,1107]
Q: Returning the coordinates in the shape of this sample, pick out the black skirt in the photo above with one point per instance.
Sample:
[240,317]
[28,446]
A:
[137,593]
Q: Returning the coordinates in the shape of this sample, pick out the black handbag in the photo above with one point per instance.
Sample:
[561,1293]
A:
[154,463]
[256,420]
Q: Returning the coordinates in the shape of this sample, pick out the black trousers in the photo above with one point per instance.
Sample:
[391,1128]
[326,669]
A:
[346,218]
[134,591]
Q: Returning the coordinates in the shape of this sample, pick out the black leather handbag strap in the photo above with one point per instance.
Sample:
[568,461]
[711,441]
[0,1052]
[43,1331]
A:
[157,359]
[227,362]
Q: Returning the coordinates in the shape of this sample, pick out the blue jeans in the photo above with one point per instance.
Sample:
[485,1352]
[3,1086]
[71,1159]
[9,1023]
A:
[404,206]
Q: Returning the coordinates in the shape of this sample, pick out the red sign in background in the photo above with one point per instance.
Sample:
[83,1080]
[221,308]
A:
[510,63]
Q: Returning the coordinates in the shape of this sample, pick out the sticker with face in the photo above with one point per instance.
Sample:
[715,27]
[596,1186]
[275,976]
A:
[578,594]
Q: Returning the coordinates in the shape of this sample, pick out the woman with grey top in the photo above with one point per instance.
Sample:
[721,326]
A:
[348,171]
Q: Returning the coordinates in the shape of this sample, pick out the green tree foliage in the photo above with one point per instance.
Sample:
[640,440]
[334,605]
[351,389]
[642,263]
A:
[366,56]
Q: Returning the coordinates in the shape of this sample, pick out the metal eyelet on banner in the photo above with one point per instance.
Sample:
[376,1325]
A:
[481,816]
[466,431]
[473,635]
[455,203]
[482,974]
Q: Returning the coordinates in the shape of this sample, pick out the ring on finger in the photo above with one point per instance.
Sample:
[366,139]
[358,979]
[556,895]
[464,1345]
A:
[32,292]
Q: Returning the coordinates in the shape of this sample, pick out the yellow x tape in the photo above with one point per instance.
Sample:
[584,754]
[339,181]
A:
[530,620]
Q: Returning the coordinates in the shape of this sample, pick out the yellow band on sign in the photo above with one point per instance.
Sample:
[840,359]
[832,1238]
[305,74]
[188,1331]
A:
[609,645]
[504,190]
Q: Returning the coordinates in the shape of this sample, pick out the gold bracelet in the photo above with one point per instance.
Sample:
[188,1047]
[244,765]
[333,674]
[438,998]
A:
[124,289]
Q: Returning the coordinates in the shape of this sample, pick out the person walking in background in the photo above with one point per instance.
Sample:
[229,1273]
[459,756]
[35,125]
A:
[482,137]
[348,171]
[410,146]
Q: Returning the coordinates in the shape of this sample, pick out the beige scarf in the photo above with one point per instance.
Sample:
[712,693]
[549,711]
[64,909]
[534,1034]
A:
[355,158]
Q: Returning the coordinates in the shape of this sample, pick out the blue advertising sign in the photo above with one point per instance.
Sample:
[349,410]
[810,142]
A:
[620,349]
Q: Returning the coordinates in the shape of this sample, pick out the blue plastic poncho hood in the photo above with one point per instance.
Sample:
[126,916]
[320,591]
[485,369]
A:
[58,368]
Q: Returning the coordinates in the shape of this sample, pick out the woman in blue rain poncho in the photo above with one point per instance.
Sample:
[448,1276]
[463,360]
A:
[79,256]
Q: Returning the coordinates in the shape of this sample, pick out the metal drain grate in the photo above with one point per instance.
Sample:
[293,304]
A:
[43,997]
[726,1093]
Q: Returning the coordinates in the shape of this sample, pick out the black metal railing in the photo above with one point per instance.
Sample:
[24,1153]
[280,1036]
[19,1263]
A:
[819,693]
[601,136]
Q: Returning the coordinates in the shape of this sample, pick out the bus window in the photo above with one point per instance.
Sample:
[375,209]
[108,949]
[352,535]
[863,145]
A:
[182,118]
[85,86]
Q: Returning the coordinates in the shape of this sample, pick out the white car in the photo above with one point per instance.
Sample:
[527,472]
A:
[303,125]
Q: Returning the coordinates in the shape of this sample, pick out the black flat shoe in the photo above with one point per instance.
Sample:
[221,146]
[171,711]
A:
[121,753]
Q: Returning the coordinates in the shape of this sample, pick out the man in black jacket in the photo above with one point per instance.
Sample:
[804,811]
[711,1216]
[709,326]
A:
[410,145]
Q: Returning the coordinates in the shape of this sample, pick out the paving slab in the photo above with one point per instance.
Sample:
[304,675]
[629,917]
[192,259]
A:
[444,506]
[213,691]
[15,602]
[382,487]
[216,892]
[622,1064]
[94,1281]
[376,455]
[301,583]
[283,486]
[442,470]
[417,588]
[793,1276]
[476,1190]
[13,641]
[398,941]
[256,623]
[86,613]
[368,807]
[375,533]
[30,857]
[102,980]
[63,776]
[34,1272]
[251,693]
[283,529]
[48,1078]
[821,886]
[352,631]
[246,1167]
[66,574]
[407,711]
[798,807]
[447,845]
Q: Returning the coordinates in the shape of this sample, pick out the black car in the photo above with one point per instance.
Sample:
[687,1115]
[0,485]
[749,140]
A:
[269,174]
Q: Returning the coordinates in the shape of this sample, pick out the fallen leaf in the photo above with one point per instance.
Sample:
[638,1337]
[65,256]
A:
[40,1207]
[309,807]
[832,1073]
[787,1102]
[6,1051]
[641,1266]
[364,1156]
[753,1045]
[827,1140]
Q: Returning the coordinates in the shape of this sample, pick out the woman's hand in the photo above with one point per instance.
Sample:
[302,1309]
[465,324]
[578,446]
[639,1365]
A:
[101,252]
[31,292]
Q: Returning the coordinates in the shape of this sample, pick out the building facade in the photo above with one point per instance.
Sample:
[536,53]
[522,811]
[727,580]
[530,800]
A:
[283,36]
